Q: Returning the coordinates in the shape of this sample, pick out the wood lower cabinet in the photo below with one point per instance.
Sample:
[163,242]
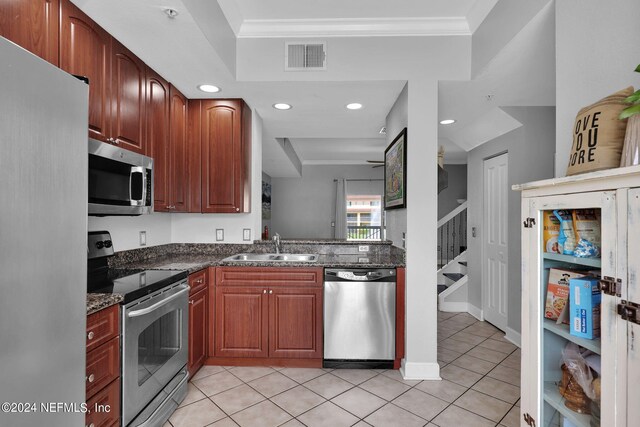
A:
[273,313]
[33,25]
[103,368]
[198,304]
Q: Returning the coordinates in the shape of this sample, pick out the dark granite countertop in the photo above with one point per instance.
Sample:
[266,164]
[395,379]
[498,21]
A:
[334,254]
[97,302]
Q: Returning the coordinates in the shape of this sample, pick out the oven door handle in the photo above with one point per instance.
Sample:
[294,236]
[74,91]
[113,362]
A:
[149,309]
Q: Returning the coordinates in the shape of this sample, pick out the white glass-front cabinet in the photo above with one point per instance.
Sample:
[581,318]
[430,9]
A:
[616,194]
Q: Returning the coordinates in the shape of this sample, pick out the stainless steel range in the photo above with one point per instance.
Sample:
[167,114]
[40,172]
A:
[154,333]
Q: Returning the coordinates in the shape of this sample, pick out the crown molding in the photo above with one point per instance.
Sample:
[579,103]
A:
[353,27]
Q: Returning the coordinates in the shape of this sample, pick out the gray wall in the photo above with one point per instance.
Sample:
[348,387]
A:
[397,119]
[597,49]
[457,189]
[305,207]
[531,152]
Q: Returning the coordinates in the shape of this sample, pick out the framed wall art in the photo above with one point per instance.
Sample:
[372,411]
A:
[395,172]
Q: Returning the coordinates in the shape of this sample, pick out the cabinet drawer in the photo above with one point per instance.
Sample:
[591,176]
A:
[269,276]
[102,326]
[198,281]
[103,409]
[103,366]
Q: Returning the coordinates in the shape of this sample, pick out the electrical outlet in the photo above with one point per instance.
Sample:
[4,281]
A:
[363,248]
[143,238]
[246,234]
[219,234]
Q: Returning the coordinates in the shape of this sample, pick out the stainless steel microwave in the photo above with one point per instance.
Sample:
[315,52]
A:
[120,181]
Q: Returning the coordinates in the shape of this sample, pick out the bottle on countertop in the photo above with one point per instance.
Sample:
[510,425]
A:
[265,233]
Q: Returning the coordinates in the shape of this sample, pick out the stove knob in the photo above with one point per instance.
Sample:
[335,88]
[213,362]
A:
[107,243]
[99,245]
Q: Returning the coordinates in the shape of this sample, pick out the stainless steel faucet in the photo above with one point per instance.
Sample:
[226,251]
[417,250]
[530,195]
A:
[276,240]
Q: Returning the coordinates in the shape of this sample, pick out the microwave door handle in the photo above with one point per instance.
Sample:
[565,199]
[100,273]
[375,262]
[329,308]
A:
[138,169]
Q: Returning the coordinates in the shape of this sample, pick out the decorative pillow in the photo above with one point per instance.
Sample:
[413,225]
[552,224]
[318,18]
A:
[598,135]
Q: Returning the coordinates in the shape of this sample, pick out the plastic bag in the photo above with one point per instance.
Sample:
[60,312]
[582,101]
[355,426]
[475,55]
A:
[586,223]
[574,359]
[567,236]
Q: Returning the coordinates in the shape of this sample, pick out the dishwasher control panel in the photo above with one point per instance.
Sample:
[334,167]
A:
[360,275]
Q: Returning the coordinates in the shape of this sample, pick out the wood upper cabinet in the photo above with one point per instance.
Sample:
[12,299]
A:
[178,150]
[194,154]
[226,141]
[127,98]
[279,316]
[32,24]
[85,50]
[116,79]
[158,107]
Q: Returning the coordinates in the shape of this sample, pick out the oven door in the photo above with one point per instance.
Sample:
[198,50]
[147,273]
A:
[154,349]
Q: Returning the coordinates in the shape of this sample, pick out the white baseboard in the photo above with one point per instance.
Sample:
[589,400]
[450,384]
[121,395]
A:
[453,307]
[419,371]
[475,312]
[514,336]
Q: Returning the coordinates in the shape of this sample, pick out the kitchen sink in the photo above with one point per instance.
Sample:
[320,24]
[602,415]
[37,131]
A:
[272,258]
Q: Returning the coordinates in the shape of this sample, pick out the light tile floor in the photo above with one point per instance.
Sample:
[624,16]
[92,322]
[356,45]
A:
[480,386]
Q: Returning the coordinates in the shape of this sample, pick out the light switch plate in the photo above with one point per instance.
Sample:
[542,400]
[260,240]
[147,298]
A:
[246,234]
[143,238]
[219,234]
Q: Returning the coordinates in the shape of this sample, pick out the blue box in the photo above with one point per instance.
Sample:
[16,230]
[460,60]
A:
[584,307]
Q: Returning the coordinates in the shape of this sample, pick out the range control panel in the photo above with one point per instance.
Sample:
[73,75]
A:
[99,244]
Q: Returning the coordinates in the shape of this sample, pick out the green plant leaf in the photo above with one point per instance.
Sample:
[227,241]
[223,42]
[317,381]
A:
[638,69]
[630,111]
[633,98]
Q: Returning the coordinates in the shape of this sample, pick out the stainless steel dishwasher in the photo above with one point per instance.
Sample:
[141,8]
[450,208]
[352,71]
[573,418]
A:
[359,318]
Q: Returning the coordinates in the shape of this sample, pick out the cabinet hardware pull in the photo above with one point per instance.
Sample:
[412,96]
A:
[91,425]
[91,378]
[190,301]
[90,335]
[270,291]
[264,291]
[237,209]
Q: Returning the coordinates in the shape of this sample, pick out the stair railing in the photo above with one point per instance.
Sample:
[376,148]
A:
[452,235]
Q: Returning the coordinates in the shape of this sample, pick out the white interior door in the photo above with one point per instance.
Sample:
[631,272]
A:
[495,244]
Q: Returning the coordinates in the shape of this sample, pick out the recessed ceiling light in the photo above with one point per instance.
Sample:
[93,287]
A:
[354,106]
[171,13]
[209,88]
[282,106]
[447,122]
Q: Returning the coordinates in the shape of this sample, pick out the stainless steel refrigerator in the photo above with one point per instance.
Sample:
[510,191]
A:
[43,249]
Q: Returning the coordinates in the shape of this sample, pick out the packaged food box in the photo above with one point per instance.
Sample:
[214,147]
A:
[584,307]
[558,291]
[550,231]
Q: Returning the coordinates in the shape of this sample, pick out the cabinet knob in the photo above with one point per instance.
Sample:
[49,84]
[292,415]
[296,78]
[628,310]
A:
[264,291]
[90,335]
[91,425]
[270,291]
[91,378]
[190,301]
[199,281]
[237,209]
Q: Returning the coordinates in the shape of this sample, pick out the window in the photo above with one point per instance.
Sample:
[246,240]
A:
[364,217]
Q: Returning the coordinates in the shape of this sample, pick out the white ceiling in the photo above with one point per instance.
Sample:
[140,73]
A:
[199,46]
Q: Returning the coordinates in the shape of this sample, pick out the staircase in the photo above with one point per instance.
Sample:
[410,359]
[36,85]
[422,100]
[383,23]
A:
[452,261]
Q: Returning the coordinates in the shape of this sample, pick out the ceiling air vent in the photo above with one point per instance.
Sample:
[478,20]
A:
[305,56]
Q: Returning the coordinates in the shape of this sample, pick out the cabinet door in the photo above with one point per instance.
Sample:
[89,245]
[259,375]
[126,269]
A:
[197,330]
[295,322]
[178,150]
[631,330]
[128,99]
[194,155]
[223,165]
[158,138]
[241,322]
[85,49]
[32,24]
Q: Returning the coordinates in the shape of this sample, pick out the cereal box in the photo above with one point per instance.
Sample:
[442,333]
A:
[558,291]
[550,231]
[584,307]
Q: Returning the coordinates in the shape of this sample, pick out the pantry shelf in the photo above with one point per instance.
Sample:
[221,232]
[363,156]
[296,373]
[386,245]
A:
[563,331]
[589,262]
[552,397]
